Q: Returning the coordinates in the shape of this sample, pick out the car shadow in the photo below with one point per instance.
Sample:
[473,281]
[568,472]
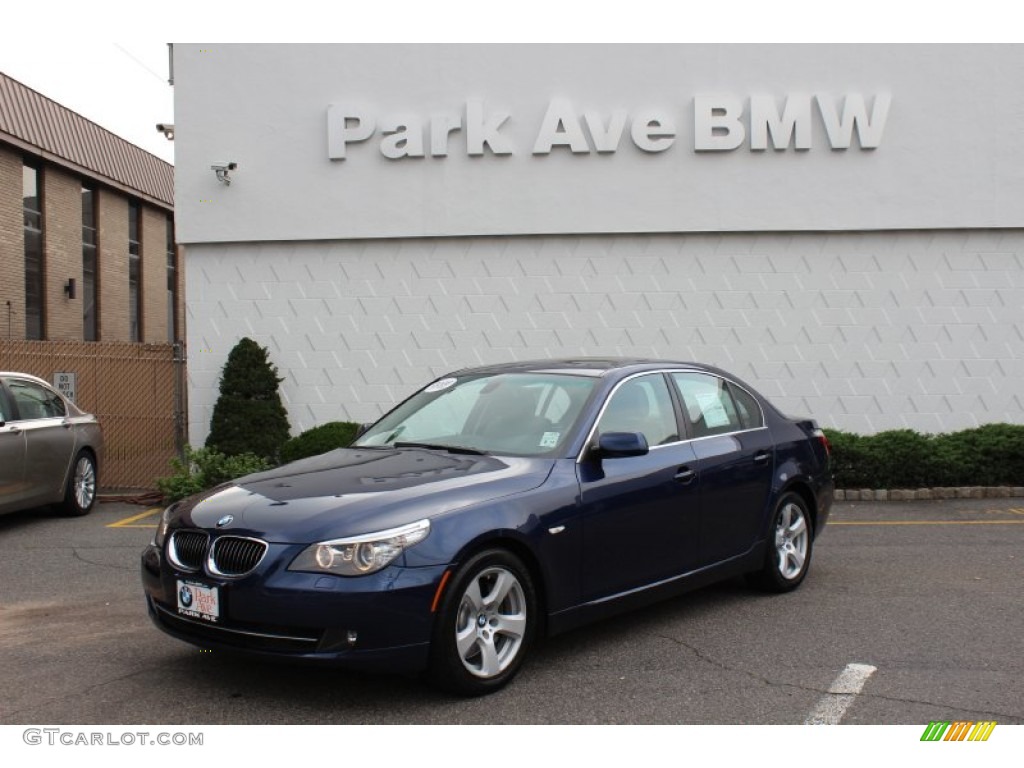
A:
[15,520]
[316,694]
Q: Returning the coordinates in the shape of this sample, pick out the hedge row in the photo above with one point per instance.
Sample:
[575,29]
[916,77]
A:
[992,454]
[989,455]
[326,437]
[205,467]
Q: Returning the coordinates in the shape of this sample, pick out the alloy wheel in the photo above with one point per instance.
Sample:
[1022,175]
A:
[791,540]
[491,624]
[84,482]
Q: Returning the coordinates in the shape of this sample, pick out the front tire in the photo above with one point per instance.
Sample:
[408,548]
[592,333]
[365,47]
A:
[790,543]
[486,625]
[80,494]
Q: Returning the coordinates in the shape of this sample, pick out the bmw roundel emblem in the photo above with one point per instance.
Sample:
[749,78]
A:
[226,520]
[185,595]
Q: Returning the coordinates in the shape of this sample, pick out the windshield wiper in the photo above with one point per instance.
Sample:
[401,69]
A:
[440,447]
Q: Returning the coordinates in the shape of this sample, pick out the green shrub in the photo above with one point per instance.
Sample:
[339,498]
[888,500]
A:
[321,439]
[992,454]
[248,417]
[206,468]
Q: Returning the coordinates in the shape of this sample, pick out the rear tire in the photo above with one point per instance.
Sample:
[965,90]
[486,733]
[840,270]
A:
[80,494]
[790,543]
[486,625]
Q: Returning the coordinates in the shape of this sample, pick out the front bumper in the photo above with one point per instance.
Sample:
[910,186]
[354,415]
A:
[381,621]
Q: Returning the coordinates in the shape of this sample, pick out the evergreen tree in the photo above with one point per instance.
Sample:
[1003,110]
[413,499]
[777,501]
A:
[249,416]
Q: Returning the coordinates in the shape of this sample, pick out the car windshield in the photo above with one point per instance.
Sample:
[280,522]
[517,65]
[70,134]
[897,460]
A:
[523,414]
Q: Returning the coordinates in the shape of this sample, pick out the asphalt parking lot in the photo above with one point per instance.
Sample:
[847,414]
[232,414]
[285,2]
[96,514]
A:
[927,593]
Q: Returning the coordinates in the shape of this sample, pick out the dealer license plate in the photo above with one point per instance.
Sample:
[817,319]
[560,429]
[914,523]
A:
[198,601]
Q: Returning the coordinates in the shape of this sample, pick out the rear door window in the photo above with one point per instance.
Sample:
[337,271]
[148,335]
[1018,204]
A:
[708,404]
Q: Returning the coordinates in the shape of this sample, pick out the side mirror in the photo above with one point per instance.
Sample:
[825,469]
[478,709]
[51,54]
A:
[614,445]
[362,429]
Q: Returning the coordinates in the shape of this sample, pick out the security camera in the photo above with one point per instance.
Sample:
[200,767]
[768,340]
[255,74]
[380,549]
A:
[221,169]
[167,129]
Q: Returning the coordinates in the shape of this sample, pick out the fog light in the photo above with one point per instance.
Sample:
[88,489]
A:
[352,636]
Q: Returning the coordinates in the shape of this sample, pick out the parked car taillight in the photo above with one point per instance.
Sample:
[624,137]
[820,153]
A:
[820,434]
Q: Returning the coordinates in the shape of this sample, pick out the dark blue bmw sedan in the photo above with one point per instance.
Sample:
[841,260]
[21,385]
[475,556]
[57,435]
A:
[494,506]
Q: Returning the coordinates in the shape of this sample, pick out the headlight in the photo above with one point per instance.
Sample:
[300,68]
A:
[360,555]
[161,530]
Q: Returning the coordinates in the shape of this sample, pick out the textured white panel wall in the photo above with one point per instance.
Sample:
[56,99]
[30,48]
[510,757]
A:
[865,332]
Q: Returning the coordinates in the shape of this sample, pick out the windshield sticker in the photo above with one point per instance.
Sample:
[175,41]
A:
[711,407]
[443,384]
[549,439]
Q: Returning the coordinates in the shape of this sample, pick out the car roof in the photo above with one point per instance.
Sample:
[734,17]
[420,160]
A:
[29,376]
[584,366]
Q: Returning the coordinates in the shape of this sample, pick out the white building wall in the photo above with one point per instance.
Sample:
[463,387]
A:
[864,331]
[945,156]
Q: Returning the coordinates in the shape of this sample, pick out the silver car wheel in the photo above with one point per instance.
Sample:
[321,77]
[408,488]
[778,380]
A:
[791,541]
[491,623]
[84,482]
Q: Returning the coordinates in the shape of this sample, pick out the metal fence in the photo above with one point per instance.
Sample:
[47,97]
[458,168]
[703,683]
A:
[136,390]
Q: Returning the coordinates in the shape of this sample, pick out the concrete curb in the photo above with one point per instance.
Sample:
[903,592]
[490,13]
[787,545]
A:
[927,494]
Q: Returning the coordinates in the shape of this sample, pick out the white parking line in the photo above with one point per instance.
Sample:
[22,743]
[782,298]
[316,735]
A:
[844,689]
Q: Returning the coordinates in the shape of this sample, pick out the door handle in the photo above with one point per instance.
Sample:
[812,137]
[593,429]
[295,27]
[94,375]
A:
[685,475]
[761,457]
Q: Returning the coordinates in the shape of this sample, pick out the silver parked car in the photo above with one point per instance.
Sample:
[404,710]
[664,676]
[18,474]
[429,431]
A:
[49,448]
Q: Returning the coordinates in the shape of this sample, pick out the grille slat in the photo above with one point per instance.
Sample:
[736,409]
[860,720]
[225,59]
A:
[228,556]
[188,549]
[235,556]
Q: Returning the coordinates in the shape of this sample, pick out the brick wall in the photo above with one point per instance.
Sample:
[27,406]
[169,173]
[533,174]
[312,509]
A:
[180,330]
[112,217]
[62,243]
[12,247]
[154,275]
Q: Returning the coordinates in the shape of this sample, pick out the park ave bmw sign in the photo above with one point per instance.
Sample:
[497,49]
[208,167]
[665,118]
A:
[721,123]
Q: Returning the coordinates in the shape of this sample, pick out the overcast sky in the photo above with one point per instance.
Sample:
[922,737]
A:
[120,86]
[66,50]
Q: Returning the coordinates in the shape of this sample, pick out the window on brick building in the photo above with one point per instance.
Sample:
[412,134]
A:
[32,204]
[90,318]
[172,284]
[134,270]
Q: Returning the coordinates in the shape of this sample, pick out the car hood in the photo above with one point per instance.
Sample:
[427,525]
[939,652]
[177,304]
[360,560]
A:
[348,492]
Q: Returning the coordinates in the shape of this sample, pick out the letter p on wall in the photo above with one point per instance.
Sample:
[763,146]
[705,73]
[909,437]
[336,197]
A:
[346,124]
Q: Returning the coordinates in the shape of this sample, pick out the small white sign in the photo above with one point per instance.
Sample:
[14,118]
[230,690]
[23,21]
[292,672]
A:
[549,440]
[67,384]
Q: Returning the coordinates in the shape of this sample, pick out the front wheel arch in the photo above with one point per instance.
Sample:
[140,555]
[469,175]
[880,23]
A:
[520,549]
[482,632]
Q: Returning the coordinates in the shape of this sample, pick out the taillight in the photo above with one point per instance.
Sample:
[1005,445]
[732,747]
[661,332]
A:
[824,442]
